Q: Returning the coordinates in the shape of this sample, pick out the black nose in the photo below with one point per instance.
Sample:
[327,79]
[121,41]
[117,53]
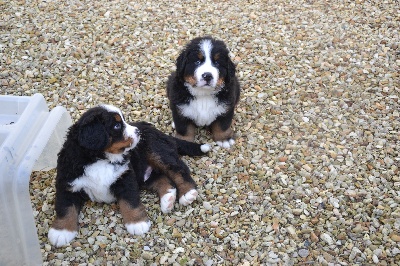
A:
[207,76]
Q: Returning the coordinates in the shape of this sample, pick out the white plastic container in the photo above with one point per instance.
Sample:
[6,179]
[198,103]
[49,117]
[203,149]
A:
[30,139]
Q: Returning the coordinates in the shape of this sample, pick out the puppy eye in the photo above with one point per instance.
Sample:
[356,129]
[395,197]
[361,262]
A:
[117,126]
[216,63]
[198,62]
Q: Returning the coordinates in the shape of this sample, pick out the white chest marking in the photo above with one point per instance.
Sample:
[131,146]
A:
[97,179]
[203,109]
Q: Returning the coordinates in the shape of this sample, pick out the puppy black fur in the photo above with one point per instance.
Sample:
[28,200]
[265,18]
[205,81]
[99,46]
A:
[162,154]
[204,90]
[105,159]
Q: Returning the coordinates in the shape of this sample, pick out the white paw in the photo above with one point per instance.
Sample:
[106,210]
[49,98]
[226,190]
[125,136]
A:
[139,228]
[60,238]
[189,197]
[226,143]
[205,148]
[167,201]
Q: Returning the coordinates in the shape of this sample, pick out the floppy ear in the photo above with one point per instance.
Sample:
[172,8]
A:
[93,135]
[181,63]
[231,70]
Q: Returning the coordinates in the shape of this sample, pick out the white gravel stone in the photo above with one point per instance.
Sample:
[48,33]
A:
[303,252]
[327,238]
[375,259]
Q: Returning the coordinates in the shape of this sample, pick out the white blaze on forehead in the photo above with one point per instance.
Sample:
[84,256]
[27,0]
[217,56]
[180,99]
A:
[113,109]
[206,47]
[207,66]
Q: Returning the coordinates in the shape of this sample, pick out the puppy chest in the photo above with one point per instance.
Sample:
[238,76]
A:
[203,110]
[97,180]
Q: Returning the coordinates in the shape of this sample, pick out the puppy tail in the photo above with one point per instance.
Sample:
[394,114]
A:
[190,148]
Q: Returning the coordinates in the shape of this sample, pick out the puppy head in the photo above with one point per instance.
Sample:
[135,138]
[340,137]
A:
[205,64]
[103,128]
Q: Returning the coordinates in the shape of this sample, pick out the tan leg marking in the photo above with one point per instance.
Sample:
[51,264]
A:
[219,134]
[68,222]
[182,185]
[132,215]
[161,186]
[190,133]
[166,192]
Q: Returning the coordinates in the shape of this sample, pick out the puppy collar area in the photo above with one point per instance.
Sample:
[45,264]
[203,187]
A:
[118,163]
[116,159]
[203,90]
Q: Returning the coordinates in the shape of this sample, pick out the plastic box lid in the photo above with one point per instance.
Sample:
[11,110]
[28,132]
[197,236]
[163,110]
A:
[30,139]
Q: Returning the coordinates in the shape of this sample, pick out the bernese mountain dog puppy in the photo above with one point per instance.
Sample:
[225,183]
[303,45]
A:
[105,159]
[204,90]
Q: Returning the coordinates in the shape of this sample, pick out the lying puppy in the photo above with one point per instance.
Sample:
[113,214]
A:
[104,159]
[204,90]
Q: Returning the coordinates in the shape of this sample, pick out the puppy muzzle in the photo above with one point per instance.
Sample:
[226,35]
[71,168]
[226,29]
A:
[132,133]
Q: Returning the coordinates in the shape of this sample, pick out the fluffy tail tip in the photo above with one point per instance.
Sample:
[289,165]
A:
[205,148]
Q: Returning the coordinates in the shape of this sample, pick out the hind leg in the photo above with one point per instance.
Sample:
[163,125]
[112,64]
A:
[165,189]
[178,172]
[187,192]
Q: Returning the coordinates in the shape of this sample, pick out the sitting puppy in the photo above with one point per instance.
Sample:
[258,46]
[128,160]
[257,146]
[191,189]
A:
[204,90]
[104,159]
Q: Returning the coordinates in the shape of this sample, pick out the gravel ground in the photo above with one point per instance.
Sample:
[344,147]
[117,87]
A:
[314,176]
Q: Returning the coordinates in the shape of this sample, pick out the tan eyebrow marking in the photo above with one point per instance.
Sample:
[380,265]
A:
[200,56]
[216,56]
[118,117]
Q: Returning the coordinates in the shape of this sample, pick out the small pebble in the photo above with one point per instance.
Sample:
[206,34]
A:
[207,205]
[375,259]
[327,238]
[303,252]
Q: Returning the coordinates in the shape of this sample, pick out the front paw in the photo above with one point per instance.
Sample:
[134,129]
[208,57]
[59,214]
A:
[139,228]
[167,201]
[61,238]
[188,197]
[226,143]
